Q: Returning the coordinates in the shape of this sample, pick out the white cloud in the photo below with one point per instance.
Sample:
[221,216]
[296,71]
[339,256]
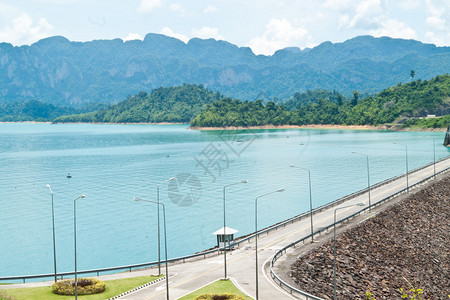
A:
[148,6]
[176,7]
[133,36]
[169,32]
[210,9]
[279,34]
[394,29]
[408,4]
[438,15]
[435,17]
[338,4]
[439,40]
[372,17]
[436,22]
[24,30]
[366,15]
[207,32]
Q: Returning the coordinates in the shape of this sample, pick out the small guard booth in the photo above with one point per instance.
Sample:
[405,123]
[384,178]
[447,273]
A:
[224,236]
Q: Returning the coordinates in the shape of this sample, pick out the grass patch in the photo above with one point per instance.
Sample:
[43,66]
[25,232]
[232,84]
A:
[217,287]
[113,288]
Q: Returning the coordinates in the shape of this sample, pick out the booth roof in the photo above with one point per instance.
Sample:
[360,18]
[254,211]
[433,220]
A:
[228,230]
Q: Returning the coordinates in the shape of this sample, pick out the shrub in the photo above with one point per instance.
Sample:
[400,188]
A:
[85,286]
[4,296]
[219,297]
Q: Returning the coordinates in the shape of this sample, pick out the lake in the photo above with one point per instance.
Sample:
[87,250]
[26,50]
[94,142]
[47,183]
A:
[113,164]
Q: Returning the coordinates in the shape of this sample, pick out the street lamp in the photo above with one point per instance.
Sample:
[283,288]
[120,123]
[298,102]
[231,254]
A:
[434,158]
[53,223]
[406,155]
[368,176]
[224,226]
[75,240]
[310,199]
[256,233]
[165,238]
[334,248]
[159,239]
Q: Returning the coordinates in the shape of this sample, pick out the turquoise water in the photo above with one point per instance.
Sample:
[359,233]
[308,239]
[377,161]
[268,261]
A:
[112,164]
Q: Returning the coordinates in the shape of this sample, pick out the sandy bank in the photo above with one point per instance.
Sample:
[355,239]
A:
[350,127]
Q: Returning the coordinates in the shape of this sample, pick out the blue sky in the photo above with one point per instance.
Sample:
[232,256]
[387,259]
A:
[263,25]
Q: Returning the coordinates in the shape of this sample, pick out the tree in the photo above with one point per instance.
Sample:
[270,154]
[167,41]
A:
[355,98]
[413,73]
[340,99]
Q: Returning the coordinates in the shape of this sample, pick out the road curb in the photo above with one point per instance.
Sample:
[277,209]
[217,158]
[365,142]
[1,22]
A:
[138,288]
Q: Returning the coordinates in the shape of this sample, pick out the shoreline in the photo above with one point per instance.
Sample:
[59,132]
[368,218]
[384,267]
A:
[95,123]
[319,126]
[124,123]
[352,127]
[311,126]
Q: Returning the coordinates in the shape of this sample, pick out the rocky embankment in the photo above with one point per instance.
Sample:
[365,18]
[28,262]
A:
[406,244]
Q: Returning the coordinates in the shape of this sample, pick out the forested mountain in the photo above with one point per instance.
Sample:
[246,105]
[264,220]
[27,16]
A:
[173,104]
[58,71]
[395,104]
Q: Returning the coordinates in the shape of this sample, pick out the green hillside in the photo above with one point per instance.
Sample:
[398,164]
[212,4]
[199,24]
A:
[38,111]
[173,105]
[393,105]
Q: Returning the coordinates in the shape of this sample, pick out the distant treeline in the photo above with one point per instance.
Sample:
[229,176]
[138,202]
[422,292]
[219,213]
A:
[172,105]
[393,105]
[33,110]
[402,104]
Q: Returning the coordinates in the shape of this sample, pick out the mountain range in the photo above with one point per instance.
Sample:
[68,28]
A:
[61,72]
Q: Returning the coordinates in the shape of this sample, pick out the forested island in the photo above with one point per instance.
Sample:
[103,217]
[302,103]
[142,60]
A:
[402,104]
[178,104]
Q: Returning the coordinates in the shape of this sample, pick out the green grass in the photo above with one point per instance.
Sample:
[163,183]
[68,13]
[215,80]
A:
[217,287]
[113,288]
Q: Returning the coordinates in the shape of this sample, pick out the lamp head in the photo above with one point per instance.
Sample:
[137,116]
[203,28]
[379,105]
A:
[280,190]
[360,204]
[172,178]
[292,166]
[244,181]
[83,196]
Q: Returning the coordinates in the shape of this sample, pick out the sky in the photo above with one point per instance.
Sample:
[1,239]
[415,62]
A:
[263,25]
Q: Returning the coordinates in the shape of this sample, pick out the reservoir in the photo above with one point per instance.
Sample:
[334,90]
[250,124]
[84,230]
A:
[113,164]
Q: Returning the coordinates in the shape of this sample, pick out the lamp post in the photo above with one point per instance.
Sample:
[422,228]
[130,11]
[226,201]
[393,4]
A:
[165,239]
[334,248]
[406,155]
[256,234]
[310,199]
[53,226]
[434,158]
[159,239]
[224,226]
[75,240]
[368,176]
